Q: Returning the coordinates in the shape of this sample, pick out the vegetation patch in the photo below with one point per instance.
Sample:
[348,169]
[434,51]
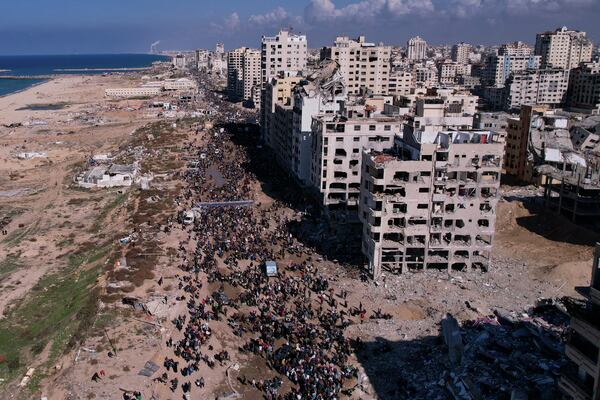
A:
[57,313]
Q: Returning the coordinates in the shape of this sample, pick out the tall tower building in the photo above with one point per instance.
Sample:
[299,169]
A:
[285,52]
[563,48]
[460,53]
[416,49]
[362,64]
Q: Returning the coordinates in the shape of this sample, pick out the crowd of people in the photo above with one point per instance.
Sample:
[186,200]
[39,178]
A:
[294,321]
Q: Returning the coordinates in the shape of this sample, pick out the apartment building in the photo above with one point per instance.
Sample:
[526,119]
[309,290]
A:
[416,49]
[276,116]
[244,73]
[337,144]
[584,87]
[563,48]
[321,93]
[515,49]
[580,379]
[426,75]
[460,53]
[284,53]
[499,67]
[449,70]
[363,65]
[536,86]
[430,201]
[401,83]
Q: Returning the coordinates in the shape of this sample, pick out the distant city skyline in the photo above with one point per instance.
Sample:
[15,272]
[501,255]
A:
[110,26]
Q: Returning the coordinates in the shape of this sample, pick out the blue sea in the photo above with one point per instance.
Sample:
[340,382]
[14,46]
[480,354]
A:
[66,64]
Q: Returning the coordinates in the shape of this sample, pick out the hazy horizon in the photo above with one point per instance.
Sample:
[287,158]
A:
[116,27]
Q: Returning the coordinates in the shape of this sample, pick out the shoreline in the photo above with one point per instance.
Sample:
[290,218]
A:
[2,96]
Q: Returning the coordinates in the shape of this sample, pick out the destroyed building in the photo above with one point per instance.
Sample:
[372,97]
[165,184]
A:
[113,175]
[580,379]
[430,201]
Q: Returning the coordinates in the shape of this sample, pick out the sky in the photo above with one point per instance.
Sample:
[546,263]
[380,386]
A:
[130,26]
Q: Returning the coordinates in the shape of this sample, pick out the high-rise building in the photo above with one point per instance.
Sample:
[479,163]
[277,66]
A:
[283,53]
[460,53]
[430,201]
[509,60]
[337,143]
[220,48]
[536,86]
[584,87]
[416,49]
[243,73]
[563,48]
[363,65]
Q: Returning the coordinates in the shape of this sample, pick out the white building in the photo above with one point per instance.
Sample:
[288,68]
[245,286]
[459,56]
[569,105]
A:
[181,84]
[133,92]
[563,48]
[416,49]
[108,176]
[363,65]
[283,53]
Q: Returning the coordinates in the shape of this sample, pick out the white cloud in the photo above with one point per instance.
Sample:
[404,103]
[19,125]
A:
[403,7]
[232,22]
[278,15]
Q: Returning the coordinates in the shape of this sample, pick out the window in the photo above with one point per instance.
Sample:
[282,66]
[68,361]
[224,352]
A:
[387,128]
[357,128]
[372,127]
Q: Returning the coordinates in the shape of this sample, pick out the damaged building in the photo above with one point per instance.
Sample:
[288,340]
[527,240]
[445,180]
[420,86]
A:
[430,201]
[103,176]
[580,379]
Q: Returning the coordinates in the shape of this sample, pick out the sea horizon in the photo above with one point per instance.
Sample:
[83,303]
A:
[61,64]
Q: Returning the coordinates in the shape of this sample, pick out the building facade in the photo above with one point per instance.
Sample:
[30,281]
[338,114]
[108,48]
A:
[460,53]
[416,49]
[337,144]
[430,202]
[563,48]
[284,53]
[536,86]
[363,65]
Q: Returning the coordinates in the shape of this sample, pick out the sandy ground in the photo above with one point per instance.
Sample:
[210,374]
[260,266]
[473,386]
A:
[36,190]
[534,256]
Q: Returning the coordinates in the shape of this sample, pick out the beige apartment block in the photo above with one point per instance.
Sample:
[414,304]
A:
[580,378]
[243,73]
[337,144]
[401,83]
[430,201]
[363,65]
[563,48]
[283,53]
[460,53]
[539,86]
